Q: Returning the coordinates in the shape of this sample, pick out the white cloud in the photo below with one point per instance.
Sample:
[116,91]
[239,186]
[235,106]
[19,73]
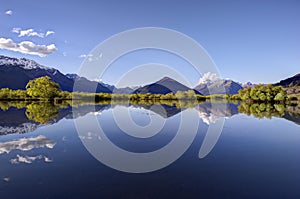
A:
[26,144]
[89,57]
[16,30]
[27,47]
[82,56]
[29,159]
[9,12]
[31,33]
[208,78]
[65,54]
[49,32]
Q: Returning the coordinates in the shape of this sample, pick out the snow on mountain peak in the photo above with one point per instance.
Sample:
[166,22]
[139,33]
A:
[22,62]
[247,84]
[72,76]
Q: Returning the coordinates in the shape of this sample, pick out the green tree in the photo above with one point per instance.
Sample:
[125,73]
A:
[190,94]
[280,96]
[42,87]
[180,95]
[5,93]
[262,97]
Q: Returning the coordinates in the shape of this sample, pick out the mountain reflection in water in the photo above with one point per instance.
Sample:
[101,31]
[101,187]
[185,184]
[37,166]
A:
[22,117]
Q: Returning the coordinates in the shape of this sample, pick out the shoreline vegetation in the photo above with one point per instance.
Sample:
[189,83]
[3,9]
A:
[44,89]
[43,100]
[44,112]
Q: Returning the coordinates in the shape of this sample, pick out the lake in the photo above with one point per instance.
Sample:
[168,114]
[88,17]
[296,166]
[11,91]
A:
[144,151]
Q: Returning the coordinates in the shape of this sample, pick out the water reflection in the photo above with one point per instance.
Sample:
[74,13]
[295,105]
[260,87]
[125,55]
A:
[210,114]
[250,154]
[26,144]
[29,159]
[23,117]
[263,110]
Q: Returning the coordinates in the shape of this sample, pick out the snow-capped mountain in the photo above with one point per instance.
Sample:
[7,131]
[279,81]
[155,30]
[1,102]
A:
[247,84]
[23,63]
[15,74]
[220,86]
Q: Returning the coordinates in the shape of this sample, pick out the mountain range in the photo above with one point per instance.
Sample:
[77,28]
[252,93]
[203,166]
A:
[221,86]
[15,74]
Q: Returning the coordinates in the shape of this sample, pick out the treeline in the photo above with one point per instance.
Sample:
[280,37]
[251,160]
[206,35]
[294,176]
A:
[43,88]
[261,93]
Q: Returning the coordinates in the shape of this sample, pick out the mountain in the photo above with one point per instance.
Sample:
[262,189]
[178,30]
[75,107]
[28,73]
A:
[247,85]
[163,86]
[15,74]
[291,81]
[125,90]
[85,85]
[217,86]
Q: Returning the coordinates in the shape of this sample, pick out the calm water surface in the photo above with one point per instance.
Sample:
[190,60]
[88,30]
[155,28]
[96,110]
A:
[252,158]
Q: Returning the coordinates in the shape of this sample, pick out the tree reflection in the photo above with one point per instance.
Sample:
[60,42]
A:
[261,110]
[47,112]
[42,112]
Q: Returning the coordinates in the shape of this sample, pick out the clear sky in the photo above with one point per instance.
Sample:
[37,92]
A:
[257,41]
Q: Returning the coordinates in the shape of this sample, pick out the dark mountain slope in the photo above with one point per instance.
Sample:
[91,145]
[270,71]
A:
[163,86]
[291,81]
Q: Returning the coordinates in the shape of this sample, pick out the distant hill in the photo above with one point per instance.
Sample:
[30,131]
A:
[85,85]
[15,74]
[289,82]
[219,87]
[163,86]
[125,90]
[247,85]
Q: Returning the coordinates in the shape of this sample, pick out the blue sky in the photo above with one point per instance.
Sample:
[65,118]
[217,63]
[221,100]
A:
[255,41]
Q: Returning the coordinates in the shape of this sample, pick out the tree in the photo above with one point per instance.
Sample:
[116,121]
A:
[5,93]
[42,87]
[190,94]
[280,97]
[262,97]
[180,95]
